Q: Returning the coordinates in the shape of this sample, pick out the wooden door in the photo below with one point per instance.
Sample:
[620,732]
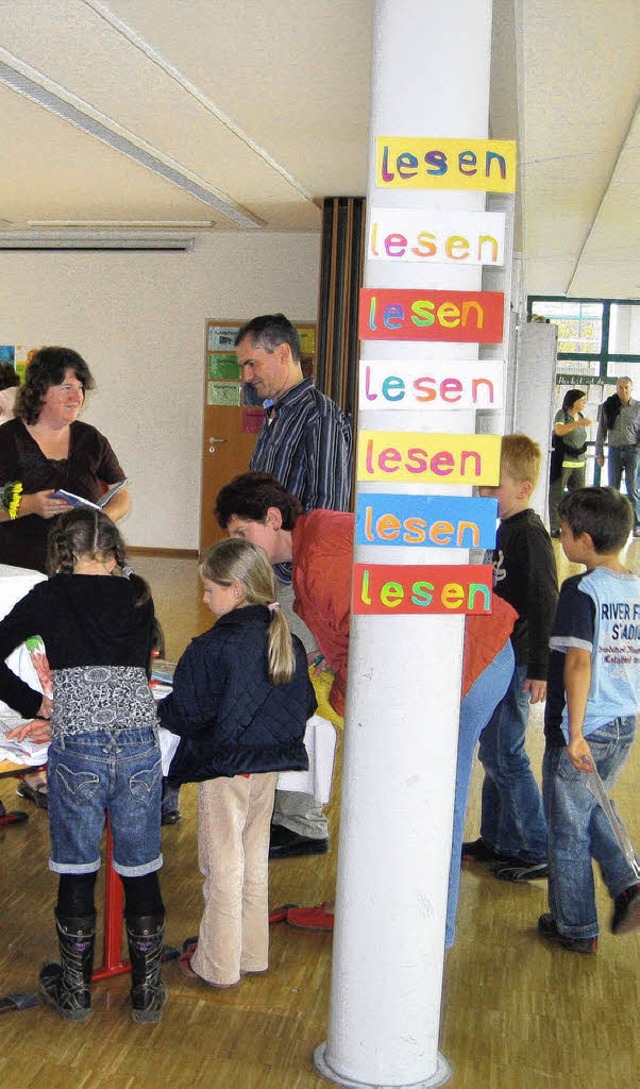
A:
[229,427]
[232,416]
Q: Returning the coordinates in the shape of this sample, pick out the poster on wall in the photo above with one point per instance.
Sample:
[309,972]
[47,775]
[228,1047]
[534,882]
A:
[224,365]
[221,338]
[223,393]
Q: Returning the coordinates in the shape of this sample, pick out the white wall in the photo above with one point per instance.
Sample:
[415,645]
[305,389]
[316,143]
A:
[138,319]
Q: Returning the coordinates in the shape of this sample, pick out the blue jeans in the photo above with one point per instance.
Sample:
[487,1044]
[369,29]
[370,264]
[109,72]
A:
[625,459]
[475,711]
[513,820]
[89,773]
[579,829]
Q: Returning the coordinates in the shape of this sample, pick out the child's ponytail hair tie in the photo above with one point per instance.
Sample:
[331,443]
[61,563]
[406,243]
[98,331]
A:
[273,606]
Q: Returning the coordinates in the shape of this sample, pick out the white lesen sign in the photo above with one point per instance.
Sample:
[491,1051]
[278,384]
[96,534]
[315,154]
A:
[405,384]
[436,237]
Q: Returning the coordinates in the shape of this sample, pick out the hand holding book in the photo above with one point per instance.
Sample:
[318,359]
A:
[78,500]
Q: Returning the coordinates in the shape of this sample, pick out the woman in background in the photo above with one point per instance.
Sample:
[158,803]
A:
[569,463]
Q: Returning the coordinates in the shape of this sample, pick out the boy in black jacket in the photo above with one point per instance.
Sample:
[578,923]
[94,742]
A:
[513,832]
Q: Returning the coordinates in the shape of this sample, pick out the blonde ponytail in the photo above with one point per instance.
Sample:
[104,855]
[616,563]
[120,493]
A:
[237,560]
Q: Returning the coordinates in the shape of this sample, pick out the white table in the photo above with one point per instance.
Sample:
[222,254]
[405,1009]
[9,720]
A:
[15,583]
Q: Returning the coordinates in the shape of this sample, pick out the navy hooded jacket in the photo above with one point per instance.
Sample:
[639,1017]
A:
[231,720]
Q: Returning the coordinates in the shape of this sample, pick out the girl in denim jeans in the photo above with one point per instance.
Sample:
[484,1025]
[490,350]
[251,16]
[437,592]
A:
[104,755]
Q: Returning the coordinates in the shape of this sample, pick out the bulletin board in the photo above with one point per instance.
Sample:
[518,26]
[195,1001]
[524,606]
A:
[224,385]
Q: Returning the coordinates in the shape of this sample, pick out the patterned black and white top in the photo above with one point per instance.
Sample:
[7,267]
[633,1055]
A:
[89,698]
[98,644]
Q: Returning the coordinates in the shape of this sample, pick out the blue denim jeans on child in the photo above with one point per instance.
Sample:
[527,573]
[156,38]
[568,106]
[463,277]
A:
[104,770]
[475,711]
[513,821]
[580,830]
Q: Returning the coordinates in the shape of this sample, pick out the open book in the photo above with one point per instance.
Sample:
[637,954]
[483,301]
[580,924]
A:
[78,501]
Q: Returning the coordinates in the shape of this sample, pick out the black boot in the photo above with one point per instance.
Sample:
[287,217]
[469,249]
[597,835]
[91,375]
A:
[67,986]
[148,992]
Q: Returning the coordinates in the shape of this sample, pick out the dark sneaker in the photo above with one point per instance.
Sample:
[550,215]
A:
[526,871]
[548,929]
[286,844]
[626,911]
[477,850]
[15,816]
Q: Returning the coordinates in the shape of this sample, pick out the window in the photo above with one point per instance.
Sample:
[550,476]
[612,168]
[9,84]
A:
[579,324]
[598,342]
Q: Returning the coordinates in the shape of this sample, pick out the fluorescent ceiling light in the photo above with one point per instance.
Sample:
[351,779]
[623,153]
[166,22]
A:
[95,240]
[33,85]
[108,224]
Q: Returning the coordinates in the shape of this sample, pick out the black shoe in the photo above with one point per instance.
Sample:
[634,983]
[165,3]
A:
[15,816]
[38,794]
[172,816]
[287,844]
[626,911]
[526,871]
[477,850]
[547,927]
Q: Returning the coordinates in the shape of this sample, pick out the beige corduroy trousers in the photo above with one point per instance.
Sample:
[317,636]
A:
[234,817]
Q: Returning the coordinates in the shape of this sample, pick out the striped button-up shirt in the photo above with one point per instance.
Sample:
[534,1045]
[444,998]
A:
[308,448]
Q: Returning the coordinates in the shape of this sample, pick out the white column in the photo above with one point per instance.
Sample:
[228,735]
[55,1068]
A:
[430,74]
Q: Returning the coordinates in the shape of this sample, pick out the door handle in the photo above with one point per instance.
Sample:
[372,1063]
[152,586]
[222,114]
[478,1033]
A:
[213,442]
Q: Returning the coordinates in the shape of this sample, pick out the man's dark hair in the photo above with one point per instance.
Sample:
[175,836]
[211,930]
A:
[250,495]
[603,513]
[268,331]
[47,368]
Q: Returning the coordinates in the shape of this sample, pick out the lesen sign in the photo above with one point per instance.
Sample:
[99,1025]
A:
[428,236]
[417,162]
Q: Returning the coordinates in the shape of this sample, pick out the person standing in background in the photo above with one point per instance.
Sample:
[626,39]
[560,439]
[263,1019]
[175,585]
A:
[619,425]
[568,466]
[513,831]
[305,442]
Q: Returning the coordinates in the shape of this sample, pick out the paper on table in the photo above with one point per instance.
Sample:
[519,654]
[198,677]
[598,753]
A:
[320,743]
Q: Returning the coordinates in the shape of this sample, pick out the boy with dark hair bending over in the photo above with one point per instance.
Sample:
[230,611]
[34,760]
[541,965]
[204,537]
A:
[590,720]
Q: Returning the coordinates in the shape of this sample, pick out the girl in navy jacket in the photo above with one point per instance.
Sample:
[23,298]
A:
[241,698]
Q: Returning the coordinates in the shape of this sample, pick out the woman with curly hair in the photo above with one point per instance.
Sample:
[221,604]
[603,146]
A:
[46,448]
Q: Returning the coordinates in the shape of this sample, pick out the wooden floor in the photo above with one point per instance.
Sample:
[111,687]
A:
[517,1014]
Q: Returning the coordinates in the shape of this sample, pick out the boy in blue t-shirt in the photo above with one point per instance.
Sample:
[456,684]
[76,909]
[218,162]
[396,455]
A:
[593,697]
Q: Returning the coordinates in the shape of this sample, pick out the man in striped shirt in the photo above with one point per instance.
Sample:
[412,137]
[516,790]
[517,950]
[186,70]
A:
[305,442]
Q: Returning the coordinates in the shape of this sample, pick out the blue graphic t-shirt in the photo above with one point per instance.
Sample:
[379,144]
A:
[598,611]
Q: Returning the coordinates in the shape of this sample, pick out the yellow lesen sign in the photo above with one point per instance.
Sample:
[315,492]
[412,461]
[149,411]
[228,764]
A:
[419,162]
[406,456]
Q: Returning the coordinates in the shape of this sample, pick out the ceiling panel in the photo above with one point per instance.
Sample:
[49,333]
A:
[267,103]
